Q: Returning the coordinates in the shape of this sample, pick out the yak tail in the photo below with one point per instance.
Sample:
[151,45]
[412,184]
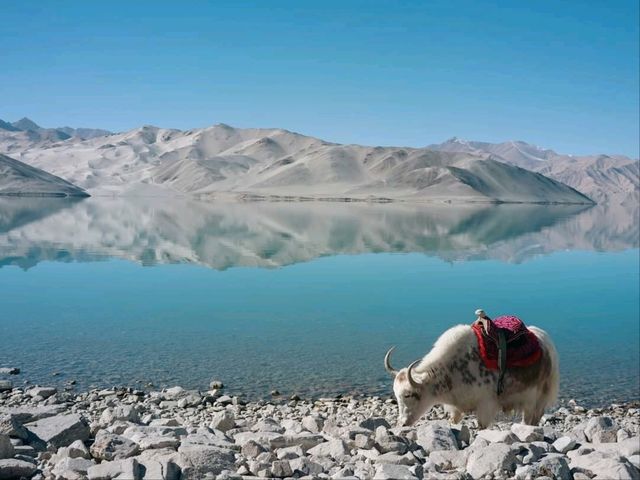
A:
[552,385]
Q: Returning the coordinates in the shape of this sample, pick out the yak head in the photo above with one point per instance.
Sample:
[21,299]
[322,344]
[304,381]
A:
[413,399]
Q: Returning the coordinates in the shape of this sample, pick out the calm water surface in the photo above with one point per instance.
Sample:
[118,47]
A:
[306,298]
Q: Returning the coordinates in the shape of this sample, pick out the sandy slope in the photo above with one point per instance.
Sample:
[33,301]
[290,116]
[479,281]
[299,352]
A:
[17,178]
[604,178]
[278,162]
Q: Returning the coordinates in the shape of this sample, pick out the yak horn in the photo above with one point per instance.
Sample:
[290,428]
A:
[413,383]
[387,364]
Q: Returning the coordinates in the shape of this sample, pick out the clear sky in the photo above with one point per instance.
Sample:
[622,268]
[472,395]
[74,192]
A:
[562,75]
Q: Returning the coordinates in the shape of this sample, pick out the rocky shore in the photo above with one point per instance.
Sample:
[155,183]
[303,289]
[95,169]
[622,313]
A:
[176,434]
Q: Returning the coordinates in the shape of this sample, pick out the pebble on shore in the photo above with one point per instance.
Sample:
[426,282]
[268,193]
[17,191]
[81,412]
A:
[178,434]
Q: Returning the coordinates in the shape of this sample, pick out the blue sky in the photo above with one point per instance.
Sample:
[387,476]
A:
[558,74]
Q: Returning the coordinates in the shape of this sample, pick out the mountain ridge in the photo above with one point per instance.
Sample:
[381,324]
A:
[280,163]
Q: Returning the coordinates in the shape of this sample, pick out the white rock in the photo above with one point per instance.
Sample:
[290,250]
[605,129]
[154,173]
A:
[334,448]
[490,459]
[449,459]
[601,430]
[498,436]
[527,433]
[125,469]
[436,436]
[564,444]
[42,392]
[196,460]
[605,466]
[223,420]
[9,425]
[109,446]
[388,471]
[60,430]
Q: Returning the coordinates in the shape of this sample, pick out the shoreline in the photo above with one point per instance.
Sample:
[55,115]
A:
[178,434]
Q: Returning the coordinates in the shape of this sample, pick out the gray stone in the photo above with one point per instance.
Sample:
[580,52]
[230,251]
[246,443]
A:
[31,414]
[126,469]
[9,425]
[60,430]
[564,444]
[197,460]
[223,420]
[252,449]
[289,453]
[389,471]
[272,439]
[268,425]
[363,441]
[78,450]
[159,464]
[498,436]
[42,392]
[634,460]
[109,446]
[313,424]
[495,457]
[335,448]
[436,436]
[374,422]
[72,468]
[281,469]
[9,371]
[445,460]
[6,447]
[601,430]
[5,385]
[12,468]
[555,467]
[396,459]
[121,413]
[603,465]
[527,433]
[204,438]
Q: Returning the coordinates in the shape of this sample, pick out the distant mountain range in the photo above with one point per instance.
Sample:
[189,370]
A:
[276,163]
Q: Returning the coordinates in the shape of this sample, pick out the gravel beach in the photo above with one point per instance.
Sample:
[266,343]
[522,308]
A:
[174,434]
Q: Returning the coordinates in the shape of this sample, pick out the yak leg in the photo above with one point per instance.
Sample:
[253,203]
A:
[486,412]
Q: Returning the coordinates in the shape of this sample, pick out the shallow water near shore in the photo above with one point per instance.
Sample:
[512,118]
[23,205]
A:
[323,291]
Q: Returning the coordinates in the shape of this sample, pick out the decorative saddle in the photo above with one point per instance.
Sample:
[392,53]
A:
[505,343]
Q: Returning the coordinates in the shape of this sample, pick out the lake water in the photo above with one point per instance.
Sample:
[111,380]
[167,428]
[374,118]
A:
[306,298]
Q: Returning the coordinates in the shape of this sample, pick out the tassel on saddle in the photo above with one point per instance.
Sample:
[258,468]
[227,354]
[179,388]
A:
[486,323]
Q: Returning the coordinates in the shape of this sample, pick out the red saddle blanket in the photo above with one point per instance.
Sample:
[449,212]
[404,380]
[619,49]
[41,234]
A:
[523,348]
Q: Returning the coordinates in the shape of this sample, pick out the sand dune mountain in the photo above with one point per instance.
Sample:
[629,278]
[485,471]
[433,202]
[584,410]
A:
[603,178]
[20,179]
[220,235]
[276,162]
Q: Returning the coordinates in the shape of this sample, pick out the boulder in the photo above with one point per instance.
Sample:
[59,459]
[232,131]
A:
[5,385]
[109,446]
[159,464]
[60,430]
[372,423]
[9,371]
[9,425]
[564,444]
[604,465]
[31,414]
[527,433]
[126,469]
[6,447]
[72,468]
[272,439]
[436,436]
[335,448]
[498,436]
[389,471]
[223,421]
[42,392]
[121,413]
[496,457]
[601,430]
[281,469]
[445,460]
[312,423]
[197,460]
[12,468]
[552,466]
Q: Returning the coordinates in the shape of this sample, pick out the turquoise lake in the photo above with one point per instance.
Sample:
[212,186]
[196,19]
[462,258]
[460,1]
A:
[306,298]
